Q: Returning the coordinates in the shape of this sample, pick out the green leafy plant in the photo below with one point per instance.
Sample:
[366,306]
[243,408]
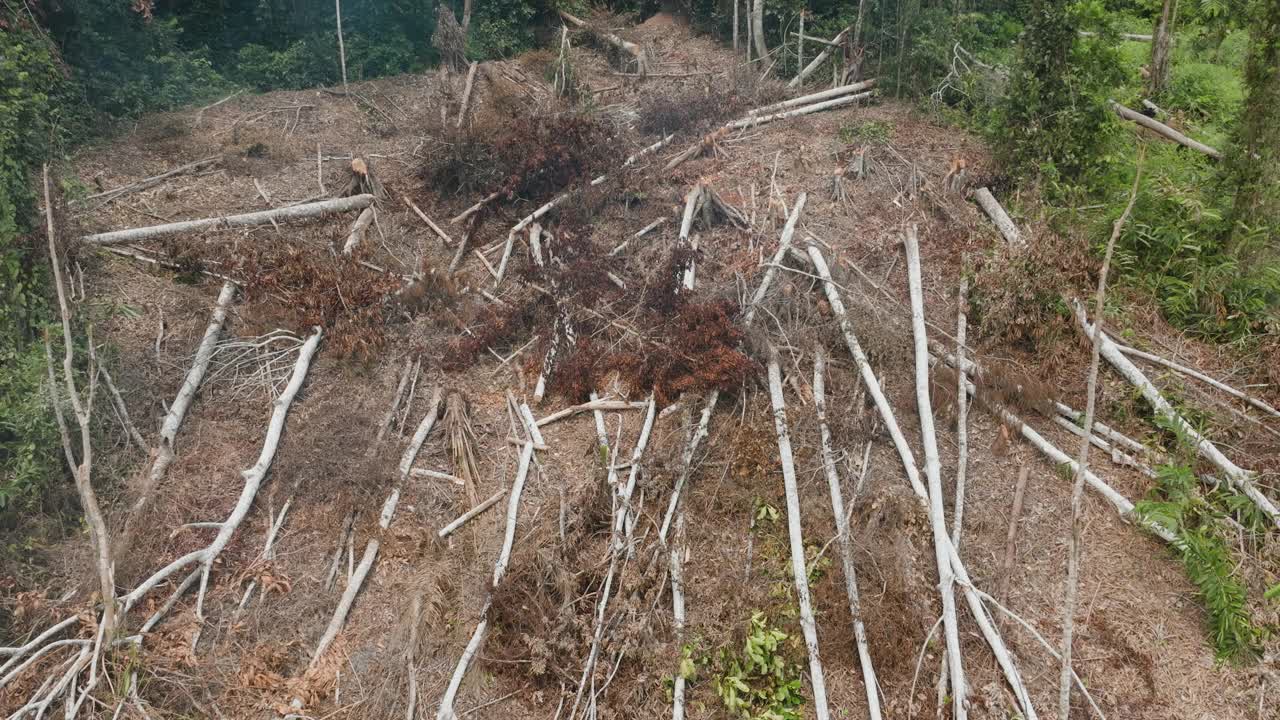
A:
[1202,546]
[760,683]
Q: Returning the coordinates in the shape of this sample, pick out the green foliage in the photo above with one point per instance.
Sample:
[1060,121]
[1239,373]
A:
[760,683]
[866,131]
[30,460]
[1205,553]
[1174,246]
[1205,91]
[36,113]
[1054,124]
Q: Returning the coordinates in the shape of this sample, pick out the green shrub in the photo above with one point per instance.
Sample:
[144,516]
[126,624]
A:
[302,63]
[1206,91]
[1200,541]
[1173,246]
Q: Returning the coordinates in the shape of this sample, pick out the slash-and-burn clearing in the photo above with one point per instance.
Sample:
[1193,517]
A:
[646,259]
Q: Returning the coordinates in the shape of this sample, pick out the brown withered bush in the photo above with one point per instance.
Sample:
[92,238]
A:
[693,109]
[530,158]
[291,286]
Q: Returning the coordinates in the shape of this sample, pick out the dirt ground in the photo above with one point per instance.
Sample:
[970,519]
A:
[1141,648]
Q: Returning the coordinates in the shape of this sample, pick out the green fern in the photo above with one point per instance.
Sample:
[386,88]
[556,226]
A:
[1201,545]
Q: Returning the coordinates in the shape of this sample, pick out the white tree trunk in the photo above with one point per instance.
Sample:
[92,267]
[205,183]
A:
[843,540]
[1240,478]
[757,29]
[799,568]
[358,230]
[262,217]
[342,48]
[813,98]
[797,112]
[962,414]
[933,471]
[868,375]
[1003,222]
[253,478]
[821,58]
[1164,130]
[1192,372]
[471,77]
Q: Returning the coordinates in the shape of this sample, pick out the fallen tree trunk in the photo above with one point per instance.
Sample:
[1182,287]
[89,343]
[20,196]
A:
[182,402]
[868,375]
[446,711]
[358,230]
[253,478]
[842,535]
[796,112]
[356,581]
[471,514]
[1003,222]
[815,97]
[263,217]
[812,67]
[1163,130]
[636,52]
[799,567]
[933,471]
[1192,372]
[1240,479]
[109,195]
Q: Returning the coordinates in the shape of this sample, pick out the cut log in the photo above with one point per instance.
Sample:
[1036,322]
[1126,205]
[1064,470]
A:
[842,535]
[109,195]
[796,112]
[812,67]
[358,230]
[1163,130]
[814,97]
[263,217]
[637,53]
[1240,479]
[799,566]
[933,471]
[466,94]
[1003,222]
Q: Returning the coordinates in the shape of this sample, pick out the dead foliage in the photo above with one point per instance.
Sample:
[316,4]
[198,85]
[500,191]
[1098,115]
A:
[535,623]
[525,157]
[696,108]
[1018,297]
[700,350]
[293,287]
